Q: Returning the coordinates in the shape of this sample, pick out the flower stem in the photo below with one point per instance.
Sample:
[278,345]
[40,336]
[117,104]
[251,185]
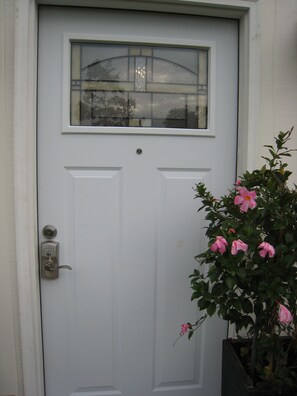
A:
[254,351]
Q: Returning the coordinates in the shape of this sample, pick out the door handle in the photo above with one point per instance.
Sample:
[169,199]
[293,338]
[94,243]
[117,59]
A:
[49,255]
[50,266]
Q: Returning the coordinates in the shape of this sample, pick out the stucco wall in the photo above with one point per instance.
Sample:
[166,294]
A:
[278,111]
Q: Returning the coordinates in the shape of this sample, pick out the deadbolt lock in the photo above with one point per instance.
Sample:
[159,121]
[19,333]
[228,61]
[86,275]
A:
[49,232]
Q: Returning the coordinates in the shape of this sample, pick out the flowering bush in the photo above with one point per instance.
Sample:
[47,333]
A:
[249,272]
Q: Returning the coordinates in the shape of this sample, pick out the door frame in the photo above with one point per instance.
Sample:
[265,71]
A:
[25,112]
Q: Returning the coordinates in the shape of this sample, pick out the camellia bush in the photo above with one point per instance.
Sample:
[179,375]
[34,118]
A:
[248,275]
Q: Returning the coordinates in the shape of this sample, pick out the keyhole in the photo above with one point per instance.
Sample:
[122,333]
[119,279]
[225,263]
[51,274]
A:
[139,151]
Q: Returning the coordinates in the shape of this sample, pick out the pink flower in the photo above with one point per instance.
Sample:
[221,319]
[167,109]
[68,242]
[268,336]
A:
[231,231]
[184,328]
[246,199]
[238,245]
[266,249]
[220,245]
[284,315]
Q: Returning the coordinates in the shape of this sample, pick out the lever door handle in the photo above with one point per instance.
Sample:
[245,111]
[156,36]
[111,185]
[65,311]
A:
[64,267]
[49,266]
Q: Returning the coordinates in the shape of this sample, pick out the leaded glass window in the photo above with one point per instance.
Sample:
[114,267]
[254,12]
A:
[138,86]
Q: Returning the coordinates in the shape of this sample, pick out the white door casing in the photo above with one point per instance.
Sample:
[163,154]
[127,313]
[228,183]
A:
[127,223]
[24,130]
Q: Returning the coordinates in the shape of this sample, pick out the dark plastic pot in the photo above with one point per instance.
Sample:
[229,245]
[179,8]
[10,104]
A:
[235,380]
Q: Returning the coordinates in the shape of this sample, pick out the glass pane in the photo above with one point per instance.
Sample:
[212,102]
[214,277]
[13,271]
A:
[140,74]
[139,105]
[169,106]
[185,57]
[107,70]
[138,86]
[104,108]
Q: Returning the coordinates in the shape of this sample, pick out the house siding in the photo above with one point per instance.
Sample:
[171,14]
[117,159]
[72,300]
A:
[278,72]
[277,21]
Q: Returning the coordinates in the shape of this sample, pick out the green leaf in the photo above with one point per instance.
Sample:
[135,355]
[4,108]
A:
[222,311]
[211,309]
[289,237]
[230,282]
[213,274]
[195,295]
[247,306]
[202,304]
[246,321]
[237,305]
[241,272]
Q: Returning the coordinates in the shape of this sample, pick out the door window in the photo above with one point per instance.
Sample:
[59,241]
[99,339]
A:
[120,85]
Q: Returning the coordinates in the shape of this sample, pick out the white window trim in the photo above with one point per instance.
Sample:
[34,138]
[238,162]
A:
[25,141]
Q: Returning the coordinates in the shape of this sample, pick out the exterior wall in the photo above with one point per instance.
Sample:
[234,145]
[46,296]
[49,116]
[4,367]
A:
[278,76]
[278,105]
[10,358]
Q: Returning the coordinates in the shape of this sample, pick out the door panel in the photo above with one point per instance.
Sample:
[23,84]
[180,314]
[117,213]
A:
[127,222]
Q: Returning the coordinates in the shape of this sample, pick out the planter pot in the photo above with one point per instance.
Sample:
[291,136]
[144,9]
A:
[235,380]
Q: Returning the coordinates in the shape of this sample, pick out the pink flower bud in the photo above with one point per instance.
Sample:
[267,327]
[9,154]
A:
[266,248]
[184,328]
[284,315]
[219,244]
[237,246]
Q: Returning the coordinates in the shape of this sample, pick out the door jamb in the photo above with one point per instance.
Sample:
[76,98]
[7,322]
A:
[25,103]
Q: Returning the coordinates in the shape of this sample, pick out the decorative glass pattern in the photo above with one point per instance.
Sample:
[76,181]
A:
[138,86]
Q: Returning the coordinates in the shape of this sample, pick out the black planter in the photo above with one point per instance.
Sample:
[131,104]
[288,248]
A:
[236,382]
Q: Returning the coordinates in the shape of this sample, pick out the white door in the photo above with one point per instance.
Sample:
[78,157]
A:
[134,109]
